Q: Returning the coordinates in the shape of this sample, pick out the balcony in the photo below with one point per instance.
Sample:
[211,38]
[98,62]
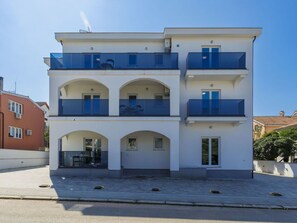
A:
[113,61]
[145,107]
[223,110]
[83,159]
[229,66]
[83,107]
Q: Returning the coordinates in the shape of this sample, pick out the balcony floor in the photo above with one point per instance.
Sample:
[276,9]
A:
[234,120]
[212,74]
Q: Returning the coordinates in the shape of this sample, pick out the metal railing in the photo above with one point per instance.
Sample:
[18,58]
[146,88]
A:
[83,159]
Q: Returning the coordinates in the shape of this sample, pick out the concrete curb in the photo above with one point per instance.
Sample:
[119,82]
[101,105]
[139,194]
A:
[152,202]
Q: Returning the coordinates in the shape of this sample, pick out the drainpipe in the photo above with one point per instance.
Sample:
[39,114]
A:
[2,135]
[255,37]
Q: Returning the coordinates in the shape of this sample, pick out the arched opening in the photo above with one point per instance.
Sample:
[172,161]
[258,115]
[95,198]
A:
[144,97]
[83,149]
[145,151]
[83,97]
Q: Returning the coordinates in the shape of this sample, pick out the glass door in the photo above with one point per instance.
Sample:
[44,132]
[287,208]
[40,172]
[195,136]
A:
[96,104]
[210,57]
[92,148]
[132,100]
[91,104]
[210,102]
[87,104]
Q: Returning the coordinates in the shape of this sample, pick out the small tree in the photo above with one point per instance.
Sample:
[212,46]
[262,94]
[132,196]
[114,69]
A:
[282,143]
[286,143]
[264,148]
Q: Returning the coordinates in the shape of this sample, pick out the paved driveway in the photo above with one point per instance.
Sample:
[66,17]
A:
[251,191]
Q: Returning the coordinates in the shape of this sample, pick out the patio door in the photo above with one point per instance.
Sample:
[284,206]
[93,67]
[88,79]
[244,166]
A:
[210,102]
[210,57]
[132,100]
[91,104]
[92,148]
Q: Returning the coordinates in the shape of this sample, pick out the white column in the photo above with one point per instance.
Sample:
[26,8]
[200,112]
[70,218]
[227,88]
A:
[114,153]
[53,97]
[174,151]
[174,97]
[114,101]
[54,149]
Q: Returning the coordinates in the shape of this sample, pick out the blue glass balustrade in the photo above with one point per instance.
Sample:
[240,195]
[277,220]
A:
[216,60]
[83,159]
[221,107]
[83,107]
[145,107]
[116,61]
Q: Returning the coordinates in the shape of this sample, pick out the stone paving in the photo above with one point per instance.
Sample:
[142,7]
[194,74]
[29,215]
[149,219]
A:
[25,182]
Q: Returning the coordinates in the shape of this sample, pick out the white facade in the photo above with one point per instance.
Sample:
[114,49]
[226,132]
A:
[142,120]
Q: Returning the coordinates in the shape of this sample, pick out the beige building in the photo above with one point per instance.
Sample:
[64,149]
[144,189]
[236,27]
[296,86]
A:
[266,124]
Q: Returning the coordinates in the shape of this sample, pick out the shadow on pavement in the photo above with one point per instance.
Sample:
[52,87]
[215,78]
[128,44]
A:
[180,212]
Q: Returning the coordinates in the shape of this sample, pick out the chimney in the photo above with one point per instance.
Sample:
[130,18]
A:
[282,114]
[1,83]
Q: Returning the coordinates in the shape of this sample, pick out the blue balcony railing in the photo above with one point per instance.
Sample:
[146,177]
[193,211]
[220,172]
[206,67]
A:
[116,61]
[83,159]
[222,107]
[221,60]
[145,107]
[83,107]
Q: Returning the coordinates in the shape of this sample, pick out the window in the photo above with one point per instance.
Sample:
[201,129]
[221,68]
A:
[132,60]
[14,132]
[210,151]
[132,144]
[158,144]
[15,107]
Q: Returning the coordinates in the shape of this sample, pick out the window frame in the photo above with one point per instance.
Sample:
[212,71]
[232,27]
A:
[15,132]
[15,107]
[128,146]
[210,165]
[159,148]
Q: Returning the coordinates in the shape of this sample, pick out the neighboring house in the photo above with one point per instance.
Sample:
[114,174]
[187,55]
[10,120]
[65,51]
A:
[44,106]
[266,124]
[177,102]
[21,122]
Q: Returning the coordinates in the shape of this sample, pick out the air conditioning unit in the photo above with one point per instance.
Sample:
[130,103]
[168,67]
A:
[28,132]
[166,91]
[167,45]
[18,115]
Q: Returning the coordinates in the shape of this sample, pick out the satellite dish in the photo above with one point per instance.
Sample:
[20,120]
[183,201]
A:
[86,23]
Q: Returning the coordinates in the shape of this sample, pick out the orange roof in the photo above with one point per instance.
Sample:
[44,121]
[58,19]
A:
[293,125]
[275,120]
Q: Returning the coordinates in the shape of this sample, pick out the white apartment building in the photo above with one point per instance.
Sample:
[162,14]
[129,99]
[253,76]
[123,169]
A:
[176,103]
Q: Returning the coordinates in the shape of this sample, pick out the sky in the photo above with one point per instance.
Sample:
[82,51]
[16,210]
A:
[27,35]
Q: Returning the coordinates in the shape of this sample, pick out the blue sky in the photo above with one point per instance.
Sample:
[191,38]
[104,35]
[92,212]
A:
[27,35]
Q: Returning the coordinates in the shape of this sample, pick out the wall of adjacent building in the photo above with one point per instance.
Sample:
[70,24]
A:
[10,158]
[32,118]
